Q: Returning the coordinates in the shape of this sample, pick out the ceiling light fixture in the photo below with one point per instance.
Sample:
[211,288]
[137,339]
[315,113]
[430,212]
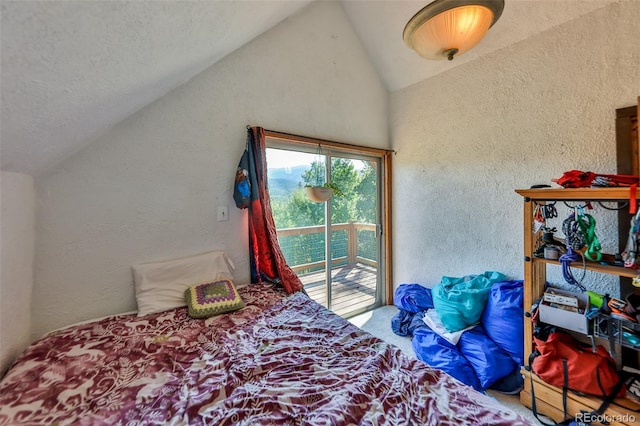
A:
[446,28]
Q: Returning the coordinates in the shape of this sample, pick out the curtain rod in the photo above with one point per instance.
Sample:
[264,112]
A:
[326,143]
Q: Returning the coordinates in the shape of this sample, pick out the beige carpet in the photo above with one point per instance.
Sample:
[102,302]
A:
[378,323]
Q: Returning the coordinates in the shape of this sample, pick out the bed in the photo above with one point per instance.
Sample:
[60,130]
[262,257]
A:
[280,360]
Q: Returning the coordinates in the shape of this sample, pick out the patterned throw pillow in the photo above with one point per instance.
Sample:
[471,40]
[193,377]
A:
[206,300]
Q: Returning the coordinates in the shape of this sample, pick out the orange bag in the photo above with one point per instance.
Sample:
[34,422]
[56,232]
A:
[564,362]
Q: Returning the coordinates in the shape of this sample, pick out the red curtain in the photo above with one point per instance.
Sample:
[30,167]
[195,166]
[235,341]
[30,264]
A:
[267,261]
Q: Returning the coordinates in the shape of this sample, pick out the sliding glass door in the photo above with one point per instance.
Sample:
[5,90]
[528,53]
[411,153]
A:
[333,246]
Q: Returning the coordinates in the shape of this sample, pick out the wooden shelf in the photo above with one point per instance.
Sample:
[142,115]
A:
[549,402]
[549,398]
[620,271]
[579,194]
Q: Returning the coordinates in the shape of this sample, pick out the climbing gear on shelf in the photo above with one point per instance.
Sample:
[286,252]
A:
[538,219]
[618,309]
[587,225]
[629,256]
[551,253]
[633,306]
[571,229]
[580,230]
[574,243]
[548,241]
[550,211]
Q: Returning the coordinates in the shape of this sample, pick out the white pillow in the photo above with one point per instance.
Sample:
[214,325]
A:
[160,286]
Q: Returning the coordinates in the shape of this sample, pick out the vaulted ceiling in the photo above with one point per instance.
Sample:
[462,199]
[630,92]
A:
[70,70]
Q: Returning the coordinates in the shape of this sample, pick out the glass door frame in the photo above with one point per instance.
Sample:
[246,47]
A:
[332,149]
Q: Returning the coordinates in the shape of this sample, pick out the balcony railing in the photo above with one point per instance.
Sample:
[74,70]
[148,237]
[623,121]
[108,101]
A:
[351,243]
[353,259]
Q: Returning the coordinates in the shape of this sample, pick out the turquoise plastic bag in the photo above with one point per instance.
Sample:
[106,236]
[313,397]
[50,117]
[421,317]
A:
[459,302]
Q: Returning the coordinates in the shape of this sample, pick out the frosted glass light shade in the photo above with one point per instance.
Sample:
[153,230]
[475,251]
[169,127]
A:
[446,28]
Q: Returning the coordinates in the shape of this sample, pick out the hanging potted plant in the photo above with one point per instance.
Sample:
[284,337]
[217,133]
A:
[321,192]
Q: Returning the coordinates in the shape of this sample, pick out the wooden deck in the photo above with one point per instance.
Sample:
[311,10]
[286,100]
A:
[354,288]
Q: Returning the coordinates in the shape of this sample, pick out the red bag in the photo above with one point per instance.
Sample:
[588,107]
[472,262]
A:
[565,363]
[579,179]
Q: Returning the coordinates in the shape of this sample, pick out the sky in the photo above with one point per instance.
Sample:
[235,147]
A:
[278,158]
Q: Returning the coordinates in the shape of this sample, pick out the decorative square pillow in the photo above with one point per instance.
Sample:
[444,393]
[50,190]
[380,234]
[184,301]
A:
[207,300]
[160,286]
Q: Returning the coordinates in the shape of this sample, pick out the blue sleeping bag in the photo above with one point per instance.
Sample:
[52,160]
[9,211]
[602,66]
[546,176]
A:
[487,356]
[413,298]
[489,362]
[437,352]
[501,318]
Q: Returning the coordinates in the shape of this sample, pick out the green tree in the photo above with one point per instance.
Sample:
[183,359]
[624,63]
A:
[367,191]
[345,176]
[359,188]
[357,204]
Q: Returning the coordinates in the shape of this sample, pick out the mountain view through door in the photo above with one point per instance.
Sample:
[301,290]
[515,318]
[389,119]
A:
[343,229]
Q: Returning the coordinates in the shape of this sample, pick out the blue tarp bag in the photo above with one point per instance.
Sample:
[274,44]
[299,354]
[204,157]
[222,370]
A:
[459,302]
[502,317]
[511,384]
[401,321]
[437,352]
[413,298]
[487,359]
[404,323]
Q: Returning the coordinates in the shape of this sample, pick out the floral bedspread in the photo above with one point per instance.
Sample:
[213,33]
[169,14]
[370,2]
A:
[281,360]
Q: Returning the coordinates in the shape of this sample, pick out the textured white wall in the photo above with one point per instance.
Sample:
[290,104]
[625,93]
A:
[149,189]
[17,205]
[521,116]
